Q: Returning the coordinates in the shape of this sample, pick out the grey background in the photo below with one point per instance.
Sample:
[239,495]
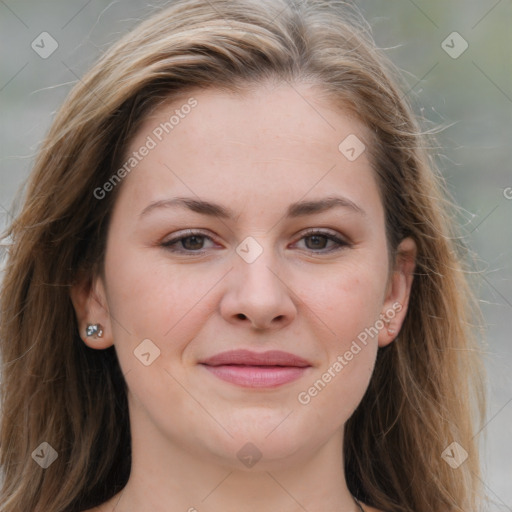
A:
[470,95]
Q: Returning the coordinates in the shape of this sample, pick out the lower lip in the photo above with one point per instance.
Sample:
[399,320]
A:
[257,376]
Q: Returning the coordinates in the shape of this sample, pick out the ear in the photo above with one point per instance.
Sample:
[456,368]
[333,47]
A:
[398,291]
[90,303]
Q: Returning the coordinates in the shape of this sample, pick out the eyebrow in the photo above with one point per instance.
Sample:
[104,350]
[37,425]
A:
[298,209]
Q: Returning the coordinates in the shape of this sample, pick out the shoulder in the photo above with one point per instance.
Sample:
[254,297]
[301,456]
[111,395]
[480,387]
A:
[100,508]
[367,508]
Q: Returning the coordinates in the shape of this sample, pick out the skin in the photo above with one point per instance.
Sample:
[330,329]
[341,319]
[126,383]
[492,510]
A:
[255,153]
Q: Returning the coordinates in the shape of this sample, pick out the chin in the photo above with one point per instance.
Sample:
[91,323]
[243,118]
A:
[261,456]
[263,446]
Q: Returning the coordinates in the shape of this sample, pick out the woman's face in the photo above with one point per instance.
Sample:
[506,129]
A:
[277,243]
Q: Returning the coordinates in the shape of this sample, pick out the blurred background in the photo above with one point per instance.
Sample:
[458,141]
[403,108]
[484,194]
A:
[456,58]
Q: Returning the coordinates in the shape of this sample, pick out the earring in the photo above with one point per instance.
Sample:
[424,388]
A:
[94,331]
[390,331]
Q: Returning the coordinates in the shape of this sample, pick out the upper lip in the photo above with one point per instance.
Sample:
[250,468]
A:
[250,358]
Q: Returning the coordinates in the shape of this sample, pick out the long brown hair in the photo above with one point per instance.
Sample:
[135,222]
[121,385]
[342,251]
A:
[427,388]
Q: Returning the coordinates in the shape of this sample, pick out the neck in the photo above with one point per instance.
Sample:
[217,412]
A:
[166,476]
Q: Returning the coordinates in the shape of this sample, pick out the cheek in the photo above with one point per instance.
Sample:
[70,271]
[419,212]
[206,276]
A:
[347,298]
[330,399]
[151,297]
[348,304]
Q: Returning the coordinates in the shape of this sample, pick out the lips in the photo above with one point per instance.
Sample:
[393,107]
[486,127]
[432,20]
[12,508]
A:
[257,369]
[249,358]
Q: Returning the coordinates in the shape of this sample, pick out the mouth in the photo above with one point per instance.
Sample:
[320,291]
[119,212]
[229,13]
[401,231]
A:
[257,370]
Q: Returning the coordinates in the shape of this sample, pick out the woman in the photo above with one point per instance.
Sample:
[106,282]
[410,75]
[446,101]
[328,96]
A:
[235,283]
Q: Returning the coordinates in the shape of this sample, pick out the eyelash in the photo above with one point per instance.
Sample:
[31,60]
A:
[170,244]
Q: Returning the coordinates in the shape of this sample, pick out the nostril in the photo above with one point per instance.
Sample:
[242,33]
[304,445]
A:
[241,316]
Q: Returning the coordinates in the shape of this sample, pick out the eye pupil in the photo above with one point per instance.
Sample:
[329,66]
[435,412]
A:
[315,239]
[196,238]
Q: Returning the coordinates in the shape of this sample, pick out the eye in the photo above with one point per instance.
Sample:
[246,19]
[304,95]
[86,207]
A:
[193,242]
[319,239]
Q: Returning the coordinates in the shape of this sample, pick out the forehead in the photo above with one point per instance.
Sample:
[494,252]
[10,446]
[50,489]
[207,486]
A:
[298,117]
[266,143]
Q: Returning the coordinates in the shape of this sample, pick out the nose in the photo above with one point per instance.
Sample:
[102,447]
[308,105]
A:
[258,295]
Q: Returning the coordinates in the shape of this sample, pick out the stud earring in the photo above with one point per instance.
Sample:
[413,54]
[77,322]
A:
[94,331]
[390,331]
